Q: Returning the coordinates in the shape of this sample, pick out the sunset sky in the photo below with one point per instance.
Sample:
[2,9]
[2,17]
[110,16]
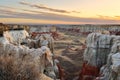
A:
[60,11]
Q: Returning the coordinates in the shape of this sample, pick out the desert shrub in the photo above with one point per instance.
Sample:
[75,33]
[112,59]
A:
[17,69]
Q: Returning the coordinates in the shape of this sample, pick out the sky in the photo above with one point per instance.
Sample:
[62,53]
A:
[60,11]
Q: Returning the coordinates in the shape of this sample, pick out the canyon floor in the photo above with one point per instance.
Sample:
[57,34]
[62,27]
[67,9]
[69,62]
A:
[69,51]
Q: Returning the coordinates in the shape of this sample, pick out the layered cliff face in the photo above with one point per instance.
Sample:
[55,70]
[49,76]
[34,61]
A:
[101,57]
[20,62]
[111,70]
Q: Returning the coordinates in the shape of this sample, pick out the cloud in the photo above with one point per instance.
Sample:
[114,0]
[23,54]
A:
[117,17]
[76,12]
[9,12]
[41,6]
[105,17]
[54,17]
[109,17]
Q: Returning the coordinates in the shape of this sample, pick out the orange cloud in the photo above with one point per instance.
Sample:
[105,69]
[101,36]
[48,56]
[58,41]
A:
[46,7]
[38,16]
[34,21]
[109,17]
[117,17]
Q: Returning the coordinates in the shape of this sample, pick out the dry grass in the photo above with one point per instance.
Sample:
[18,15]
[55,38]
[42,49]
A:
[16,69]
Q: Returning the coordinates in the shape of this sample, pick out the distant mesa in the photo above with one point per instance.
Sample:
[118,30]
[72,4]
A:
[1,24]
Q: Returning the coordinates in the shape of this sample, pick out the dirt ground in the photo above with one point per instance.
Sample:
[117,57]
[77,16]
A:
[69,52]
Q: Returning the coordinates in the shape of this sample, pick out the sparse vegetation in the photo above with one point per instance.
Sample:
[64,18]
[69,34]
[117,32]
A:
[17,69]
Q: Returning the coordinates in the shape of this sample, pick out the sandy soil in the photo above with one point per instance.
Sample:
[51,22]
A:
[68,49]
